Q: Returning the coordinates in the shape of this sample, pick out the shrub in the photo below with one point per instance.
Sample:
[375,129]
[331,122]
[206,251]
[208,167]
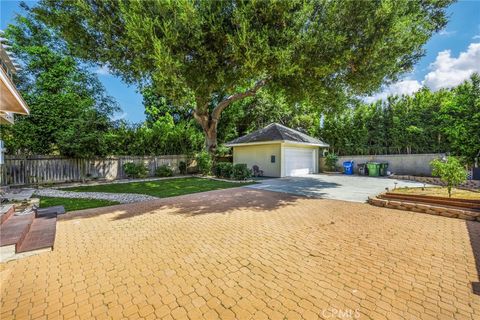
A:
[135,170]
[204,163]
[241,172]
[182,167]
[223,170]
[222,150]
[331,161]
[164,171]
[450,171]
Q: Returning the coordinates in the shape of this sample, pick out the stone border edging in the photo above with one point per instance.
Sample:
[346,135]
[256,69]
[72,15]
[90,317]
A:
[225,180]
[110,196]
[471,185]
[425,208]
[120,181]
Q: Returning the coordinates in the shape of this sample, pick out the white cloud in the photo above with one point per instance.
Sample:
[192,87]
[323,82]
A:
[447,71]
[447,33]
[406,86]
[476,37]
[103,70]
[120,116]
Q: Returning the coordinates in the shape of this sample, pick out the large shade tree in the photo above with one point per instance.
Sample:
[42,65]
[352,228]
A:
[69,108]
[212,53]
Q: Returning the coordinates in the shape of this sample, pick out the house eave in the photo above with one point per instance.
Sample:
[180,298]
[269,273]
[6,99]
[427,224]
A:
[11,100]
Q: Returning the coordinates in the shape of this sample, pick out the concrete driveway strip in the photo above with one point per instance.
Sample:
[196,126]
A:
[339,187]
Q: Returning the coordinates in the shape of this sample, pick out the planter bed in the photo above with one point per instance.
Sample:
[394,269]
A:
[451,202]
[472,185]
[425,207]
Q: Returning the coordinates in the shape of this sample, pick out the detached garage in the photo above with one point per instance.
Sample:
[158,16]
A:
[278,151]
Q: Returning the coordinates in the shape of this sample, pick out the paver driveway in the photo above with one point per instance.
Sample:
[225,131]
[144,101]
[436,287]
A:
[244,253]
[334,186]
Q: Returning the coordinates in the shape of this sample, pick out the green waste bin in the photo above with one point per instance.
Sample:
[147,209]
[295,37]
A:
[373,169]
[383,168]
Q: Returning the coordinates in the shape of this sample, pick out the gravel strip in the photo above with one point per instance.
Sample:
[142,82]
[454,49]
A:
[119,197]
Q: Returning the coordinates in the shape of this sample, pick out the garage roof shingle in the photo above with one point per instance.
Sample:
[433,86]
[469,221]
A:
[277,132]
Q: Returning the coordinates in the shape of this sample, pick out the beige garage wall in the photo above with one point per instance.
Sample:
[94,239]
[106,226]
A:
[260,155]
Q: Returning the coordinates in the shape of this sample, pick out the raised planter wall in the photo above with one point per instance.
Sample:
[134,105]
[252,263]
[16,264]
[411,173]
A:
[432,209]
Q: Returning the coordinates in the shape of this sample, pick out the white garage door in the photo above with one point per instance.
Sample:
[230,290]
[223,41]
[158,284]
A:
[299,161]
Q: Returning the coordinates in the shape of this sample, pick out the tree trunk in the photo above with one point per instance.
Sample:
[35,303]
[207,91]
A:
[211,138]
[209,127]
[209,122]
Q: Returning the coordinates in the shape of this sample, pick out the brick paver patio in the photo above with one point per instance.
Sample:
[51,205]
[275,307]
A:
[243,253]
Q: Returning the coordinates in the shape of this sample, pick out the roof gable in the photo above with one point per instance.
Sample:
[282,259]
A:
[278,133]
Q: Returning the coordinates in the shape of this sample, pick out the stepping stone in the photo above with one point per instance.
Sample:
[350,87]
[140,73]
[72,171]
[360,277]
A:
[50,211]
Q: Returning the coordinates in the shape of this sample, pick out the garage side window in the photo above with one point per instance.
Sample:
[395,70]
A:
[272,159]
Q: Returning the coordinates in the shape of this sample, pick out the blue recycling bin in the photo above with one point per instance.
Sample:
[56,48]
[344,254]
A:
[348,167]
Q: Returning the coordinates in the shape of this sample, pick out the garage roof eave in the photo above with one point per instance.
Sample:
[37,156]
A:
[276,133]
[322,145]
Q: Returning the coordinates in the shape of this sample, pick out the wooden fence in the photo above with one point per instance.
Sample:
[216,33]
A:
[30,170]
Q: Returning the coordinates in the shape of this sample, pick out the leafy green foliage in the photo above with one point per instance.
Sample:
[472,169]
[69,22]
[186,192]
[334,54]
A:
[162,188]
[182,167]
[223,170]
[331,161]
[250,114]
[204,163]
[450,171]
[72,204]
[163,171]
[459,119]
[223,151]
[209,54]
[241,172]
[135,170]
[444,121]
[70,111]
[157,106]
[158,138]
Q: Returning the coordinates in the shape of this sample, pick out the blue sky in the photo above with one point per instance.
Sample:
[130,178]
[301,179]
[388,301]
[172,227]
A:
[451,56]
[127,97]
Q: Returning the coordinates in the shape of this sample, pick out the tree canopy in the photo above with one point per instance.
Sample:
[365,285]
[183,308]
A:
[447,120]
[70,111]
[213,53]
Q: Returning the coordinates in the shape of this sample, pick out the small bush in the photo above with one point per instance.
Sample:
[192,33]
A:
[331,161]
[135,170]
[182,167]
[222,150]
[164,171]
[450,171]
[223,170]
[241,172]
[204,163]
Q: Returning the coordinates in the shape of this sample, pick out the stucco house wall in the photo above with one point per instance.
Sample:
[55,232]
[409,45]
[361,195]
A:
[260,155]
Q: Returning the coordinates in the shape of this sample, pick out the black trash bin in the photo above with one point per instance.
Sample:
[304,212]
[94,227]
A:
[383,168]
[362,169]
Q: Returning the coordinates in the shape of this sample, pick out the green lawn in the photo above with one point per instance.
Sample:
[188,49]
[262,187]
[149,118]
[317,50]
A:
[71,204]
[162,188]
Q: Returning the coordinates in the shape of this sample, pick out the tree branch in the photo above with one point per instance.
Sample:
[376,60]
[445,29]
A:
[234,97]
